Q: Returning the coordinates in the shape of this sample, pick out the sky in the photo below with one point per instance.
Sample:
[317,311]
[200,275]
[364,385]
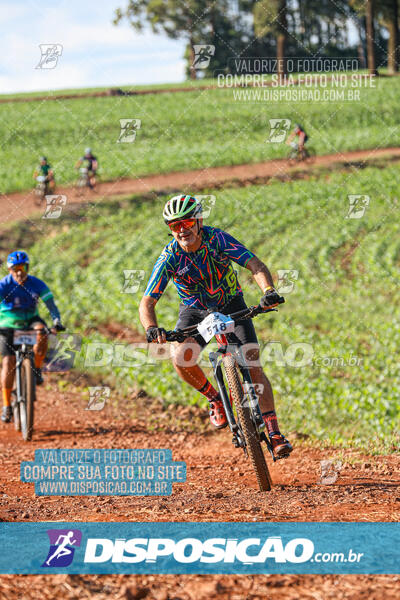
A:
[95,52]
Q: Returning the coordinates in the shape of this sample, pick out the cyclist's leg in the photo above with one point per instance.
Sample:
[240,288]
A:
[40,348]
[7,370]
[185,356]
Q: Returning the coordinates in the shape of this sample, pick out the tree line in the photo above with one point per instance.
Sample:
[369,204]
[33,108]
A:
[365,29]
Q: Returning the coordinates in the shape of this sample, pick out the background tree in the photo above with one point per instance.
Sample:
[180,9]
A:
[175,18]
[270,17]
[388,15]
[198,21]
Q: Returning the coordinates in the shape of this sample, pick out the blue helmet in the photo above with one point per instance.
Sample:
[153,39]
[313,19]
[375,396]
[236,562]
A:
[19,257]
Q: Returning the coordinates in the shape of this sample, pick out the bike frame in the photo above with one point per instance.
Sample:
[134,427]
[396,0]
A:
[216,358]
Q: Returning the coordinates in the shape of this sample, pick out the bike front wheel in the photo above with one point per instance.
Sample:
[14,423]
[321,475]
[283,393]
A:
[26,404]
[250,434]
[16,415]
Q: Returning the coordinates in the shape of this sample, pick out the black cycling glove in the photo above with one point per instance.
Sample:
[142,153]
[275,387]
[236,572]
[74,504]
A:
[58,325]
[152,333]
[270,298]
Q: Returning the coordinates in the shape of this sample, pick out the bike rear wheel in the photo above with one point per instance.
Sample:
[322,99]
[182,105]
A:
[309,155]
[244,414]
[26,405]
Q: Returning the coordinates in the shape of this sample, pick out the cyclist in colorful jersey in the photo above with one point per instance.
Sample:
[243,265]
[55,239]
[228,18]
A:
[298,132]
[199,262]
[19,295]
[45,169]
[90,162]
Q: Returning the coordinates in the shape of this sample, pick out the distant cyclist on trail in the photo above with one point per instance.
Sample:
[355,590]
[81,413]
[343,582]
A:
[19,297]
[199,262]
[300,133]
[90,162]
[46,171]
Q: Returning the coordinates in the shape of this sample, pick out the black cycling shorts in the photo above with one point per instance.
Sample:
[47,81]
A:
[244,331]
[7,347]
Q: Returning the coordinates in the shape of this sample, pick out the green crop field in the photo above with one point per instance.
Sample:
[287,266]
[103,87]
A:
[178,130]
[331,351]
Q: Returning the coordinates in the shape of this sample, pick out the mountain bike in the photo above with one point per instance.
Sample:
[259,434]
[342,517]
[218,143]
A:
[24,393]
[41,189]
[84,181]
[228,363]
[306,154]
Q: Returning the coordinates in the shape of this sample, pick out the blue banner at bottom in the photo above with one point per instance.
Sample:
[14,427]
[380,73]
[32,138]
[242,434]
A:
[200,548]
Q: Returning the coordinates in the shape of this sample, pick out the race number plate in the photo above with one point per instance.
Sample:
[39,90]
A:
[214,324]
[24,337]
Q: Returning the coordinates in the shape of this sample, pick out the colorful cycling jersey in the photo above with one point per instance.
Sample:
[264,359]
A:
[205,278]
[19,302]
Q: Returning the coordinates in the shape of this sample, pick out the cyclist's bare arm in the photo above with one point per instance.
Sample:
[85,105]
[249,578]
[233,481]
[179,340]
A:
[261,273]
[302,137]
[147,315]
[291,136]
[147,312]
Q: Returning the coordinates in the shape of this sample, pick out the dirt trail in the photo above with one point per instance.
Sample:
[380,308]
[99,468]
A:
[17,206]
[368,489]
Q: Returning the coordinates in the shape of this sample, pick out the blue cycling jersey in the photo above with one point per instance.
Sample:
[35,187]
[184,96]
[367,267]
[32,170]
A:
[19,301]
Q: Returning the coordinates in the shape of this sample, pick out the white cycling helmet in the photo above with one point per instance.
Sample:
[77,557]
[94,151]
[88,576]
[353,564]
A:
[88,151]
[181,206]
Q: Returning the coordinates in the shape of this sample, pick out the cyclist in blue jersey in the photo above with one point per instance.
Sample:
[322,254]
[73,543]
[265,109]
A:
[199,262]
[19,297]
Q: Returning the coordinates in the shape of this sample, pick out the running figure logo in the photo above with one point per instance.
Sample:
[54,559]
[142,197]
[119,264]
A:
[358,205]
[278,130]
[50,54]
[128,129]
[62,547]
[203,54]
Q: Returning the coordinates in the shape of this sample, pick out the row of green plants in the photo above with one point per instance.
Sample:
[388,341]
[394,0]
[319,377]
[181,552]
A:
[182,131]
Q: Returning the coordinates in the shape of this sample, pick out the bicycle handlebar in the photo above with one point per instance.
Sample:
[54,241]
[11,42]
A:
[179,335]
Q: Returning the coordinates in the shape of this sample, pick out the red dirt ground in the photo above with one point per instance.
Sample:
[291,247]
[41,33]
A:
[368,489]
